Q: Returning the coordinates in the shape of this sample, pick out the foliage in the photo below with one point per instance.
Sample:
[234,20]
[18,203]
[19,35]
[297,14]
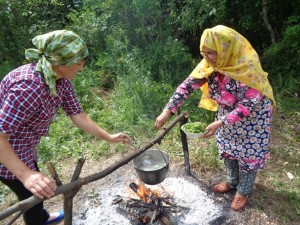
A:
[284,159]
[5,67]
[243,18]
[190,18]
[138,98]
[196,127]
[21,20]
[207,154]
[139,52]
[283,63]
[139,28]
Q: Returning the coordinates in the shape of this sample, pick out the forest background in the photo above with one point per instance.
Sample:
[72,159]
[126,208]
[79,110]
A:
[140,51]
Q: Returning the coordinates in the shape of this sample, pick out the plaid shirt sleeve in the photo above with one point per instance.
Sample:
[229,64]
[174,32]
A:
[22,100]
[70,103]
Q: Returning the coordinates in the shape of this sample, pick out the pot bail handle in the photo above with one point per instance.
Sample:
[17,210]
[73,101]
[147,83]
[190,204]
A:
[156,147]
[161,154]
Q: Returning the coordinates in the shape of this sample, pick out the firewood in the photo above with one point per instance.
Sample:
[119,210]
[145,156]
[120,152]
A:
[74,186]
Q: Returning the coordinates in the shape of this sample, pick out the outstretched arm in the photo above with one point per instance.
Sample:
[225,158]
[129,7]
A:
[183,92]
[86,124]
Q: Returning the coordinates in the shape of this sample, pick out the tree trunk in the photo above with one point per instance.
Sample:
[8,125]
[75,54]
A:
[266,20]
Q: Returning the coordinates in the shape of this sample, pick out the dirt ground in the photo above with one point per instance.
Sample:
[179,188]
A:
[251,215]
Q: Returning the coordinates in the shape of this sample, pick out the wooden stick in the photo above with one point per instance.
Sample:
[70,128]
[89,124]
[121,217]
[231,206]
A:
[78,169]
[54,174]
[15,217]
[29,202]
[185,146]
[69,196]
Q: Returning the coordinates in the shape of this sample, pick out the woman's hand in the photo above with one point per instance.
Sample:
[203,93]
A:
[120,137]
[162,119]
[39,184]
[83,122]
[212,128]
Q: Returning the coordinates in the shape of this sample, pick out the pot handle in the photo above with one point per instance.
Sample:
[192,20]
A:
[162,155]
[159,151]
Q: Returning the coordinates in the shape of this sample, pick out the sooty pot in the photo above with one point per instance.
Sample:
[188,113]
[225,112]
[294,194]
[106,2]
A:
[152,166]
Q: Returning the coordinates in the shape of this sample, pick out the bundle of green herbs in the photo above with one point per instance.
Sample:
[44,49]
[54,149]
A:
[196,127]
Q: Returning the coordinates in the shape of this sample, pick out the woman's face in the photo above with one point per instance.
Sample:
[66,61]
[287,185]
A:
[210,55]
[68,72]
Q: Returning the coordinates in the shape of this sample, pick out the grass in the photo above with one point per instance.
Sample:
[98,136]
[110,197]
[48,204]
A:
[276,193]
[285,155]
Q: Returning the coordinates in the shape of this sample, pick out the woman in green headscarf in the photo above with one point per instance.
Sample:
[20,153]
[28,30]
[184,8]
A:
[29,98]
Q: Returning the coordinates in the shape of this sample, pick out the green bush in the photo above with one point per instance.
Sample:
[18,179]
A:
[283,64]
[5,68]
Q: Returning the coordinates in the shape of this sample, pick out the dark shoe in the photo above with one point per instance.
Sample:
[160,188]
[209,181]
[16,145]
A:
[57,219]
[222,187]
[239,202]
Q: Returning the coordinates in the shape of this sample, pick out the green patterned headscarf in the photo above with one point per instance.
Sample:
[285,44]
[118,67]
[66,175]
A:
[61,47]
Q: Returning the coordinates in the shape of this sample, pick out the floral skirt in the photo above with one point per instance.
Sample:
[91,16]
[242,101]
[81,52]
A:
[248,139]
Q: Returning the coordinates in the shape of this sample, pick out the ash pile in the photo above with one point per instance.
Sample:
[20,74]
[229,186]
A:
[121,199]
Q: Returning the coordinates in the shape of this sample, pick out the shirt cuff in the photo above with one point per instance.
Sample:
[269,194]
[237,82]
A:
[172,109]
[224,120]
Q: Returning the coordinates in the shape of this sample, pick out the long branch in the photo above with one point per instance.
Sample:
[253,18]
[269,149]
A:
[30,202]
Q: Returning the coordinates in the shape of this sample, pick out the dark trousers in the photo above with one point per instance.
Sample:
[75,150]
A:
[36,215]
[241,180]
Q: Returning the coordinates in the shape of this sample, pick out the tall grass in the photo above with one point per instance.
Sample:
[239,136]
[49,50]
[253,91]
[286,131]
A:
[131,107]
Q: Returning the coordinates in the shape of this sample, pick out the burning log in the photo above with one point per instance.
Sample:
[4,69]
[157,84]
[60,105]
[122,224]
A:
[143,193]
[76,183]
[150,208]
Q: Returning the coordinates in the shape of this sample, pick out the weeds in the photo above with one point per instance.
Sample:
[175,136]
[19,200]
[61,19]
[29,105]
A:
[133,107]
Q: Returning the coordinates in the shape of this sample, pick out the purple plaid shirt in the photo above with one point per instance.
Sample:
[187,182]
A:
[27,110]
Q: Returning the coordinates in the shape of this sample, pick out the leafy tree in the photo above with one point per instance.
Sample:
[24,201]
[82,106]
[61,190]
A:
[283,63]
[21,20]
[160,36]
[189,19]
[120,28]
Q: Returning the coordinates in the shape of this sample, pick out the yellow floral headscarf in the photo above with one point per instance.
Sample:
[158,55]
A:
[236,58]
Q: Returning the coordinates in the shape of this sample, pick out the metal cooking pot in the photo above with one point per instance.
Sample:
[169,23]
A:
[152,166]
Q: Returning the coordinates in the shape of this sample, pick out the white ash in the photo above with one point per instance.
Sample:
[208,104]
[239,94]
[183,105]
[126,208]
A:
[98,208]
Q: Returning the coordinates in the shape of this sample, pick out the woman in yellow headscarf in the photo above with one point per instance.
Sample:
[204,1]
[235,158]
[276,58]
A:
[236,87]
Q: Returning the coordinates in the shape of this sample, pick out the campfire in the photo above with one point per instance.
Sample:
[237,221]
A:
[149,206]
[120,199]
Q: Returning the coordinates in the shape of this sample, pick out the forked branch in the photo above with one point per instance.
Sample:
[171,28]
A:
[69,190]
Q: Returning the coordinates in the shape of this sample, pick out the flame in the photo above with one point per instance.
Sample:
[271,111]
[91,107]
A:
[147,213]
[145,193]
